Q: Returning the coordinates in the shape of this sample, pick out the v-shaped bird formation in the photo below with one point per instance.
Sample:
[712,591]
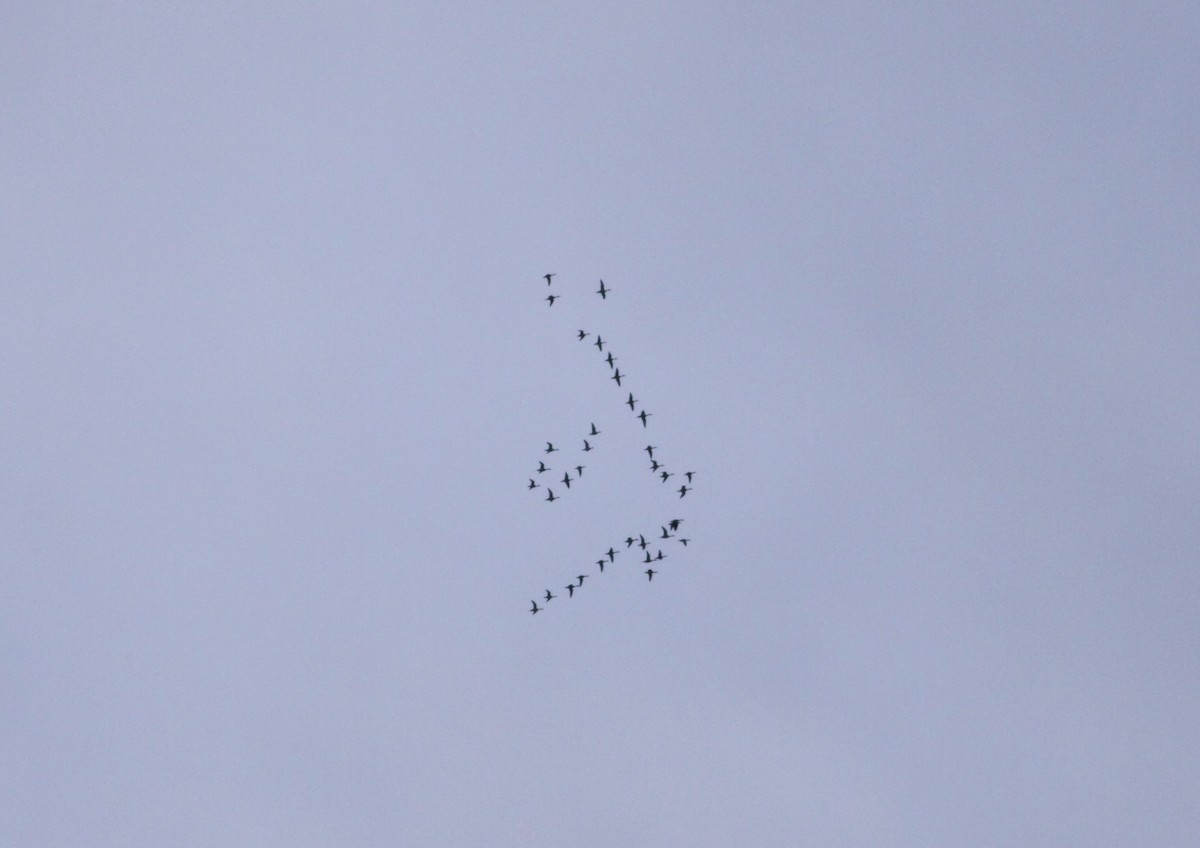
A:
[653,547]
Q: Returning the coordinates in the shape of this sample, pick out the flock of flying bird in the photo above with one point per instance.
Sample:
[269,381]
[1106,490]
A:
[670,530]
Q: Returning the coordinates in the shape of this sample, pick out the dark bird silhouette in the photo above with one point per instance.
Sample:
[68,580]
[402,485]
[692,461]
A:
[550,448]
[630,402]
[650,572]
[550,497]
[610,360]
[655,465]
[665,534]
[674,523]
[583,335]
[642,542]
[532,484]
[548,276]
[661,555]
[586,446]
[579,470]
[688,474]
[683,490]
[543,468]
[580,577]
[665,474]
[601,563]
[594,432]
[603,292]
[684,542]
[617,375]
[536,609]
[629,543]
[650,450]
[599,342]
[648,557]
[644,415]
[552,298]
[612,554]
[567,479]
[571,591]
[550,597]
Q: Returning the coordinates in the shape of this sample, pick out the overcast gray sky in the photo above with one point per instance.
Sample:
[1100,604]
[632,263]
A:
[911,287]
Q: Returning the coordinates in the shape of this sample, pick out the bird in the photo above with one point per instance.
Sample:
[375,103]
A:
[683,490]
[579,470]
[610,359]
[650,450]
[688,474]
[674,523]
[594,432]
[536,609]
[644,415]
[550,597]
[599,342]
[603,292]
[655,465]
[583,334]
[629,543]
[552,298]
[550,448]
[550,497]
[630,402]
[665,474]
[617,376]
[586,446]
[661,555]
[571,590]
[532,485]
[650,572]
[648,557]
[665,534]
[543,468]
[642,544]
[567,479]
[548,276]
[612,554]
[684,542]
[580,577]
[601,563]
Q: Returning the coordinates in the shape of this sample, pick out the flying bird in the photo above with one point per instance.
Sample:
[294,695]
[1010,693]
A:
[550,497]
[665,475]
[650,572]
[583,335]
[599,342]
[648,557]
[644,415]
[567,479]
[617,375]
[650,450]
[571,591]
[665,534]
[642,543]
[536,609]
[610,359]
[532,485]
[655,465]
[629,543]
[683,490]
[579,470]
[580,577]
[661,555]
[543,468]
[548,276]
[586,446]
[552,298]
[674,523]
[594,432]
[688,474]
[684,542]
[630,402]
[612,554]
[601,563]
[603,292]
[550,448]
[550,597]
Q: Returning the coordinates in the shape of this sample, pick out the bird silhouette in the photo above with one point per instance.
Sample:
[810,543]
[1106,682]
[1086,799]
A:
[586,447]
[552,298]
[579,470]
[629,543]
[642,542]
[567,479]
[571,590]
[665,474]
[665,534]
[617,375]
[542,468]
[601,563]
[674,523]
[688,474]
[683,490]
[548,276]
[599,342]
[650,450]
[583,335]
[650,572]
[532,485]
[603,292]
[536,609]
[630,402]
[551,497]
[655,465]
[594,432]
[580,577]
[684,542]
[610,359]
[612,554]
[648,557]
[644,415]
[550,448]
[661,555]
[550,597]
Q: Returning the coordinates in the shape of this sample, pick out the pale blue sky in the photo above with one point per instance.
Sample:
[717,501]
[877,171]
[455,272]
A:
[913,289]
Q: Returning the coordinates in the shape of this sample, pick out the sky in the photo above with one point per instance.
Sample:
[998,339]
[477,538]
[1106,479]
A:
[912,289]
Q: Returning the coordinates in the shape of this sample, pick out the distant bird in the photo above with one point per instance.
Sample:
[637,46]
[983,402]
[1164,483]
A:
[571,591]
[665,474]
[599,342]
[567,479]
[579,470]
[550,597]
[612,554]
[655,465]
[674,523]
[532,485]
[550,448]
[610,359]
[644,415]
[617,375]
[650,572]
[642,543]
[548,276]
[594,432]
[552,298]
[688,474]
[603,292]
[630,402]
[665,534]
[684,542]
[601,563]
[650,450]
[583,335]
[661,555]
[629,543]
[550,497]
[648,557]
[536,609]
[586,446]
[580,577]
[543,468]
[683,490]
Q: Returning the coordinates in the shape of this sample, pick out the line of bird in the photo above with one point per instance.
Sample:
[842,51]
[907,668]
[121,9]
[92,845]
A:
[550,298]
[609,557]
[567,479]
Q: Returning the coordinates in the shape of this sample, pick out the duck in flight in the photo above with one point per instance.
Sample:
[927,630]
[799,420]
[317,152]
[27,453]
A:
[548,276]
[571,591]
[586,446]
[601,563]
[674,523]
[661,555]
[542,468]
[551,497]
[688,474]
[583,335]
[580,577]
[650,572]
[599,342]
[683,490]
[612,554]
[550,448]
[629,543]
[650,450]
[648,557]
[550,597]
[642,543]
[630,402]
[579,470]
[567,479]
[665,534]
[611,359]
[644,415]
[617,375]
[536,609]
[603,292]
[665,474]
[552,298]
[532,485]
[594,432]
[655,465]
[684,542]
